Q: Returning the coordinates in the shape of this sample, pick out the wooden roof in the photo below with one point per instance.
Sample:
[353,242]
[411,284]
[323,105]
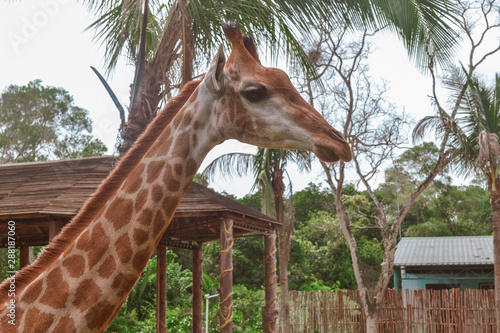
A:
[36,194]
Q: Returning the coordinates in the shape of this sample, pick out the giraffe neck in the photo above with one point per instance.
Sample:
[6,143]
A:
[86,286]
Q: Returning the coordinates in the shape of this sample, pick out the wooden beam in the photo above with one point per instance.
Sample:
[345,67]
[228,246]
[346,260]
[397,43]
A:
[161,288]
[197,290]
[54,228]
[24,256]
[270,310]
[226,276]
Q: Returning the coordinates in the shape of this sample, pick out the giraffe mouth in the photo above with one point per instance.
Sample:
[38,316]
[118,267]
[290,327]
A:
[333,149]
[326,154]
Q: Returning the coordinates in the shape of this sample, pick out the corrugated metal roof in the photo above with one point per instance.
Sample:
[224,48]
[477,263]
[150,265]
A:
[432,251]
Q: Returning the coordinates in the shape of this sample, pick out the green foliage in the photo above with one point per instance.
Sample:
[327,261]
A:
[247,309]
[138,312]
[319,286]
[320,253]
[253,200]
[428,229]
[311,199]
[39,123]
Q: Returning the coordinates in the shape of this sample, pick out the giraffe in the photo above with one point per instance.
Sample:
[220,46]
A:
[80,282]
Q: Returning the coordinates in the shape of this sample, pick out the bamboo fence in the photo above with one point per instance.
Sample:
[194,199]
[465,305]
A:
[414,311]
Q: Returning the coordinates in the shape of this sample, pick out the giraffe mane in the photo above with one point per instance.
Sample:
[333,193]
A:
[103,194]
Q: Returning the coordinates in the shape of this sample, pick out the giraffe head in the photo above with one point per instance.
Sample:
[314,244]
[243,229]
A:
[260,106]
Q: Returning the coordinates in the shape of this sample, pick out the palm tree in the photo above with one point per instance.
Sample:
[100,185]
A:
[268,168]
[474,146]
[477,149]
[159,38]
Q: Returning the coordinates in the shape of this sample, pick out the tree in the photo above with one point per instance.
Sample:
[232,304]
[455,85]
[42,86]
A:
[374,129]
[268,167]
[422,25]
[443,208]
[475,147]
[374,140]
[41,122]
[160,39]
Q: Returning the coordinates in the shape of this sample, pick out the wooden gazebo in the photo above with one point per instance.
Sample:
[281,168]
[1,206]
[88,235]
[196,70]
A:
[42,197]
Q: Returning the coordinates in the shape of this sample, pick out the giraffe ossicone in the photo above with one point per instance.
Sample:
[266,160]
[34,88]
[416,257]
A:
[80,282]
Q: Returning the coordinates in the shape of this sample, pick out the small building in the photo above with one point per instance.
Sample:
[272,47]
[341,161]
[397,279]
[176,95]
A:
[444,263]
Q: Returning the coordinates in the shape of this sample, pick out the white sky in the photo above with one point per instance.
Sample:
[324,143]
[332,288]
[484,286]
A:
[46,39]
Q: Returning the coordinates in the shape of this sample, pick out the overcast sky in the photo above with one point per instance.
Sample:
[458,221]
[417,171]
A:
[46,40]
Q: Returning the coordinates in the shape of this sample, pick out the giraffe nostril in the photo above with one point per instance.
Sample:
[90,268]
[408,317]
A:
[336,135]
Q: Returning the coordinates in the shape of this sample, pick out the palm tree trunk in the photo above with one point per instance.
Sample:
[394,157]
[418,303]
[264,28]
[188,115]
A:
[284,314]
[284,247]
[495,210]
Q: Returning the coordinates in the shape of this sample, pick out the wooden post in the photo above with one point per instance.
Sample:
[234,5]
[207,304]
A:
[54,228]
[24,256]
[161,288]
[270,311]
[197,290]
[226,276]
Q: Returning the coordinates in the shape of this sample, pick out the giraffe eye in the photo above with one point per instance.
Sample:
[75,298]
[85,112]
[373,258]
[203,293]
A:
[255,94]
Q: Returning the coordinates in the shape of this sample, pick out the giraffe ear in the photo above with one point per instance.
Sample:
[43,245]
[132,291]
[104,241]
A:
[214,78]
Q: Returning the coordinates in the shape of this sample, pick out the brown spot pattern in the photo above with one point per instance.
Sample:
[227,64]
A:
[146,217]
[119,212]
[140,236]
[178,169]
[181,149]
[159,223]
[93,243]
[135,183]
[124,248]
[75,265]
[173,185]
[99,314]
[56,291]
[157,193]
[164,146]
[122,283]
[87,294]
[170,204]
[191,167]
[188,117]
[34,291]
[140,260]
[65,325]
[37,321]
[141,199]
[107,267]
[154,170]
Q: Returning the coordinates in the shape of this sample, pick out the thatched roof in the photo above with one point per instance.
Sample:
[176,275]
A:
[34,194]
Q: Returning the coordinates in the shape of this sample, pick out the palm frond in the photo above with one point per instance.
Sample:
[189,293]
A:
[111,94]
[422,24]
[489,147]
[118,28]
[229,165]
[475,140]
[437,123]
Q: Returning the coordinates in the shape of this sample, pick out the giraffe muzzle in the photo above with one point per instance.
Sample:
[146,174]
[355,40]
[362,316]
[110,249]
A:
[333,148]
